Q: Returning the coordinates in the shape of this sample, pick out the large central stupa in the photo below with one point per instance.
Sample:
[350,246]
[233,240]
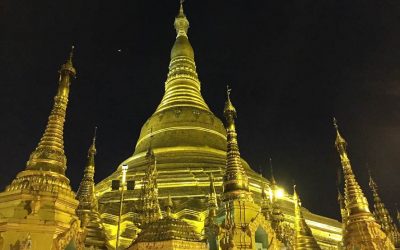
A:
[189,143]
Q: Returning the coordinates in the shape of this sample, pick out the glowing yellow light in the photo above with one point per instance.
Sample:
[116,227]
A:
[124,170]
[279,193]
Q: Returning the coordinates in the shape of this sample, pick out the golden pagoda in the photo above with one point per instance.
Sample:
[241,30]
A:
[91,223]
[38,208]
[361,230]
[190,143]
[382,215]
[303,237]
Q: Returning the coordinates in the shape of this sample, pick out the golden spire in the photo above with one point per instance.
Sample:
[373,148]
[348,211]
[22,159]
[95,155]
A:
[85,194]
[88,205]
[361,229]
[182,87]
[235,178]
[149,194]
[303,238]
[382,215]
[356,201]
[49,154]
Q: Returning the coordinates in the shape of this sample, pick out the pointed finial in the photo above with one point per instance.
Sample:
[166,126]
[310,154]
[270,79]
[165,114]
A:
[228,91]
[229,110]
[335,123]
[68,66]
[71,54]
[296,196]
[181,22]
[92,149]
[181,12]
[94,134]
[340,142]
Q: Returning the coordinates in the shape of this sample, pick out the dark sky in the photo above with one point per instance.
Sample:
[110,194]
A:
[292,66]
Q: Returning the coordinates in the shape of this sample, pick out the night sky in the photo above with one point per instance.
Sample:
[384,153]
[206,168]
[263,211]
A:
[292,65]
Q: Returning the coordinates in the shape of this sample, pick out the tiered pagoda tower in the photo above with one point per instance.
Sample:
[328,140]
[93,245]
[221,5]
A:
[361,230]
[38,208]
[91,222]
[244,225]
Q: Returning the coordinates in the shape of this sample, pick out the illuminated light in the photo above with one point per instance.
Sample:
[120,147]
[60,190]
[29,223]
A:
[124,170]
[279,193]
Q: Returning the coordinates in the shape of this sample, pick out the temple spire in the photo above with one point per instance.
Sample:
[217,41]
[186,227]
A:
[181,22]
[361,228]
[87,209]
[85,194]
[235,178]
[149,194]
[382,215]
[49,154]
[356,201]
[182,87]
[303,238]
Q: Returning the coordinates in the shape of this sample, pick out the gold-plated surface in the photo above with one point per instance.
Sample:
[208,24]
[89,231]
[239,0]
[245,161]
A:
[91,223]
[303,237]
[235,178]
[159,232]
[382,215]
[189,142]
[361,230]
[49,154]
[38,207]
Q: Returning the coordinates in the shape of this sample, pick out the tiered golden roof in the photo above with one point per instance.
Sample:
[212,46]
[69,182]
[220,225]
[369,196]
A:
[361,230]
[303,238]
